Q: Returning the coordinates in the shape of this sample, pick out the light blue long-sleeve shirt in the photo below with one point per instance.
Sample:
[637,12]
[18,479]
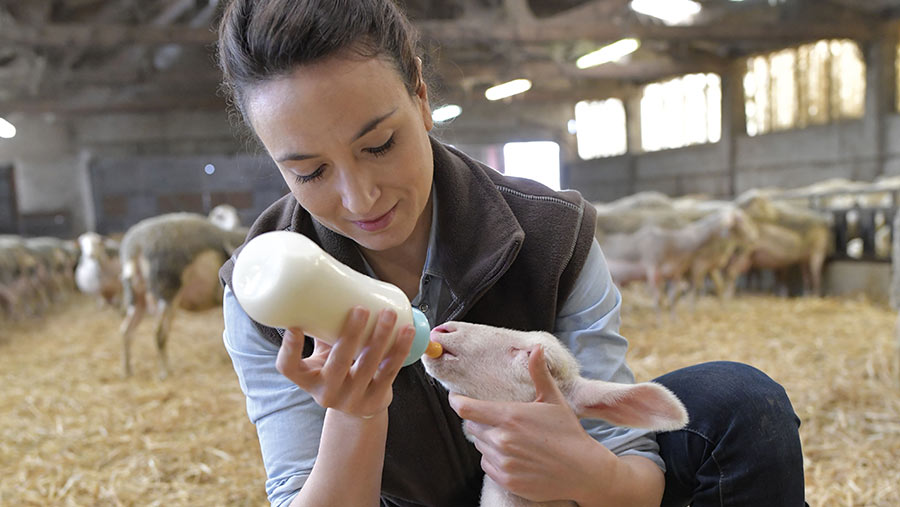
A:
[289,422]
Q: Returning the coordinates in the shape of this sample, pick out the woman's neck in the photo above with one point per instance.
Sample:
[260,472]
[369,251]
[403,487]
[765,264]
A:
[403,264]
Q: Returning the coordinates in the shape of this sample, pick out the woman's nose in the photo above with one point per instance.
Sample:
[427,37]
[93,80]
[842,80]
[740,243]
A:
[358,192]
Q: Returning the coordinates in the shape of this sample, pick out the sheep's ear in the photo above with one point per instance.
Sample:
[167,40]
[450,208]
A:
[647,405]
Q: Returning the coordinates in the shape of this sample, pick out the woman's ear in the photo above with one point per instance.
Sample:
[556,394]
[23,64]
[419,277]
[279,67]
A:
[422,95]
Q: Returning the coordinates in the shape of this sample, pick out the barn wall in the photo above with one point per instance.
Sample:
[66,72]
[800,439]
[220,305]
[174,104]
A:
[785,159]
[128,189]
[63,168]
[861,149]
[49,175]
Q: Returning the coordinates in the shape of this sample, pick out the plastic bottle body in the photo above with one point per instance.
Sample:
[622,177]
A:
[283,279]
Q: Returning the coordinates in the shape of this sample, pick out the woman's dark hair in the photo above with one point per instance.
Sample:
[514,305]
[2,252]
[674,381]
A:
[261,40]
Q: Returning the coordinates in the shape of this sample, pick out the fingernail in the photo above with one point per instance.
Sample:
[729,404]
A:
[387,316]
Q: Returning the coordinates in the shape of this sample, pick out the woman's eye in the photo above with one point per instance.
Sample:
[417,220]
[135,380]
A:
[379,151]
[306,178]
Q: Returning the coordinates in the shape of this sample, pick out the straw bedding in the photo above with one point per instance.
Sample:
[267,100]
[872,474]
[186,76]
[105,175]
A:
[74,432]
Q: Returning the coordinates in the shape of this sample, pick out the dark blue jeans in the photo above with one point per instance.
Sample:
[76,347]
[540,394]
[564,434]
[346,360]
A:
[741,446]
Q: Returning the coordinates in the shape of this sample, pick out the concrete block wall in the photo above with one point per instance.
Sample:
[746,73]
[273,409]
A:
[128,189]
[55,159]
[9,219]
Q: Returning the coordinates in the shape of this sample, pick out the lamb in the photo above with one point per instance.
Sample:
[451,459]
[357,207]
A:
[20,292]
[171,261]
[491,363]
[56,270]
[225,216]
[98,272]
[659,255]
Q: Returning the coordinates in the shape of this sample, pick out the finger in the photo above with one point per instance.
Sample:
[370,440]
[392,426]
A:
[545,386]
[479,431]
[394,358]
[367,363]
[344,350]
[289,361]
[491,413]
[491,470]
[320,348]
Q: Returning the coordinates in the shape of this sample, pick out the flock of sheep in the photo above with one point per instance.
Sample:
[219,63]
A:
[161,263]
[676,244]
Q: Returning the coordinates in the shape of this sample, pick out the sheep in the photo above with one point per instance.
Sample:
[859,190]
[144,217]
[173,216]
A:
[789,222]
[491,363]
[171,261]
[55,272]
[628,221]
[225,216]
[20,291]
[98,272]
[658,255]
[642,200]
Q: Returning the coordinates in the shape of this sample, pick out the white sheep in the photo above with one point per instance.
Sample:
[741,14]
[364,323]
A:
[490,363]
[98,272]
[171,261]
[225,216]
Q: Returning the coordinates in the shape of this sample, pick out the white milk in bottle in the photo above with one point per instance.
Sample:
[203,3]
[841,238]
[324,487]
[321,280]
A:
[283,279]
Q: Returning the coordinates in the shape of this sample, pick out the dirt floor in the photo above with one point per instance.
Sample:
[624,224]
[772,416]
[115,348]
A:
[74,432]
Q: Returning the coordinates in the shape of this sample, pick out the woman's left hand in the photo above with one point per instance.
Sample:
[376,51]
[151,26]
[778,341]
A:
[535,450]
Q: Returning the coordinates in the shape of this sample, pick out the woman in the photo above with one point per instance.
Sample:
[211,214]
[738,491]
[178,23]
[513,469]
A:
[334,91]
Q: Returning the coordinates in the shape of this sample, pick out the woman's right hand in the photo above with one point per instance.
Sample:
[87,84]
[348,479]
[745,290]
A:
[339,379]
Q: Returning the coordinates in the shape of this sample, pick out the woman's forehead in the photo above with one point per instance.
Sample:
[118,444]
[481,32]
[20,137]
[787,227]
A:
[337,97]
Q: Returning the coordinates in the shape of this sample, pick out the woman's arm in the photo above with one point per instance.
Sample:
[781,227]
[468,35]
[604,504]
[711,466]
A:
[335,455]
[357,392]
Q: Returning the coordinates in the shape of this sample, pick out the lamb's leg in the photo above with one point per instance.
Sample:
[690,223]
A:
[816,262]
[718,282]
[492,495]
[677,288]
[163,326]
[133,316]
[897,355]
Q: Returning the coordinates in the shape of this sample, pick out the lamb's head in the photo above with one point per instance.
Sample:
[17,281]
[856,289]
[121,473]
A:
[490,363]
[225,216]
[91,245]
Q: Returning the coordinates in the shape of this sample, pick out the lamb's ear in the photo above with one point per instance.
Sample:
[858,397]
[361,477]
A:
[647,405]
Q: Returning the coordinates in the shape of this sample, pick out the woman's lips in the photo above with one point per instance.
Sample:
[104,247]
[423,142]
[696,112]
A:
[378,223]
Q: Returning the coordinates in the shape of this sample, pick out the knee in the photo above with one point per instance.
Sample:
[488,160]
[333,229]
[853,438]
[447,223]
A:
[738,393]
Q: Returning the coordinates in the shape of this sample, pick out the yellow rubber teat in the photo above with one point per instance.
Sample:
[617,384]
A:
[434,350]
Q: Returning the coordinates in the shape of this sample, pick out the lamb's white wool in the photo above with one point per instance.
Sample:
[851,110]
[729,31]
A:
[97,273]
[225,216]
[490,363]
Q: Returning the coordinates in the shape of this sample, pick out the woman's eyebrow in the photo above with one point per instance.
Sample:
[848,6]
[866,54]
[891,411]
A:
[368,127]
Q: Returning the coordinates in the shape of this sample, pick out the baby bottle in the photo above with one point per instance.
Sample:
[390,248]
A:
[284,279]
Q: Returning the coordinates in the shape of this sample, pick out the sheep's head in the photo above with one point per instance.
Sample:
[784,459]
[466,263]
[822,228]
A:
[91,245]
[225,216]
[490,363]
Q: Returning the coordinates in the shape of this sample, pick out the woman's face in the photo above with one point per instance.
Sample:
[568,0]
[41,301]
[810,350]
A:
[352,145]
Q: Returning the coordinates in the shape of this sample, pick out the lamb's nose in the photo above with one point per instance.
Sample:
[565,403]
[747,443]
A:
[443,328]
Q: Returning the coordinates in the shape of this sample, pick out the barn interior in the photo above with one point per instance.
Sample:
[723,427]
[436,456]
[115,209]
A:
[112,112]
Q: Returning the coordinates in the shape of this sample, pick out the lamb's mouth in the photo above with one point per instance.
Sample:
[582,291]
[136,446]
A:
[447,352]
